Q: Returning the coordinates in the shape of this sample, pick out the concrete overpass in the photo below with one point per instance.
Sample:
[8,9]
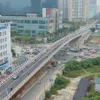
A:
[33,67]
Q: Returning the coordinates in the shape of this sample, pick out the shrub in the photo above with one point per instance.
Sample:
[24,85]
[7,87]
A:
[47,94]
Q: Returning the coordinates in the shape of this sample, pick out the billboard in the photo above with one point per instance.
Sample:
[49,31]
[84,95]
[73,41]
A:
[48,12]
[4,26]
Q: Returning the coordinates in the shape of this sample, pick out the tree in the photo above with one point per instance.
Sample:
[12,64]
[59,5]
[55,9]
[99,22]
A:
[92,30]
[47,94]
[61,82]
[13,52]
[86,63]
[26,38]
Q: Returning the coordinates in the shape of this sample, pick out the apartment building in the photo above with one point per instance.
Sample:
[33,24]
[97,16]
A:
[78,10]
[5,48]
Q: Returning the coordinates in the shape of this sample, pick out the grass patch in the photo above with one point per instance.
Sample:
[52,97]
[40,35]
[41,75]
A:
[77,73]
[95,69]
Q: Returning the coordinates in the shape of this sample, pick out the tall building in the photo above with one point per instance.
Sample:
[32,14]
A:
[5,48]
[52,13]
[98,9]
[63,6]
[93,8]
[78,10]
[36,6]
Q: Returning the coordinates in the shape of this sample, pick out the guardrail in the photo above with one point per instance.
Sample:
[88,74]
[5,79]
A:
[63,41]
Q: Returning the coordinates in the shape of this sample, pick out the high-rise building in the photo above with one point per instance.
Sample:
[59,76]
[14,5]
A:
[63,6]
[5,48]
[52,13]
[93,8]
[98,9]
[78,10]
[36,6]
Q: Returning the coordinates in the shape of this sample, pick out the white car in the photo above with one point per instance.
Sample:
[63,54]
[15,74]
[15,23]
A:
[15,77]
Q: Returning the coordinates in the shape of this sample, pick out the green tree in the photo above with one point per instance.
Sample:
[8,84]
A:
[26,38]
[53,90]
[86,63]
[13,52]
[92,30]
[47,95]
[61,82]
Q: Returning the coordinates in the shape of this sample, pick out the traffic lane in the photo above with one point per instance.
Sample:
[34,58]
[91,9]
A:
[3,87]
[16,83]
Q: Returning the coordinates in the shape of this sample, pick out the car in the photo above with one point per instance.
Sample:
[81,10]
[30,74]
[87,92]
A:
[68,53]
[28,73]
[26,66]
[21,70]
[39,82]
[15,77]
[11,88]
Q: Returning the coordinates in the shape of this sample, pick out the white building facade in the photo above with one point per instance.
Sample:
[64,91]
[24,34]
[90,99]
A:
[5,48]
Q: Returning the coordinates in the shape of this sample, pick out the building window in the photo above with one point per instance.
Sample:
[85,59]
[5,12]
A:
[1,47]
[0,33]
[34,21]
[5,45]
[20,26]
[13,25]
[43,27]
[5,33]
[20,31]
[27,21]
[27,31]
[0,54]
[5,39]
[33,31]
[20,21]
[42,22]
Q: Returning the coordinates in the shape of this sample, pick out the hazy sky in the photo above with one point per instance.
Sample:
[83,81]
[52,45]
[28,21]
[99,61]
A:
[17,3]
[24,3]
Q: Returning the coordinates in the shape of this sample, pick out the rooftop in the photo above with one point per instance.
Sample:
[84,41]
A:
[82,89]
